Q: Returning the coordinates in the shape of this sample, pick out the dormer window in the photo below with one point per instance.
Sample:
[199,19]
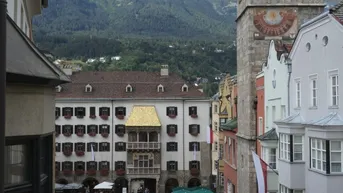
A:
[160,88]
[128,88]
[88,88]
[184,88]
[58,88]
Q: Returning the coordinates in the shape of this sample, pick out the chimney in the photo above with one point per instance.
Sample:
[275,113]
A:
[164,70]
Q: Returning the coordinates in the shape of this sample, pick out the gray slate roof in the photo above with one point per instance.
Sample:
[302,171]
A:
[337,10]
[293,119]
[24,58]
[269,135]
[333,119]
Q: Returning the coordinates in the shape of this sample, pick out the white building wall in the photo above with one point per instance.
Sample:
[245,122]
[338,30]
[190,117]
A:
[318,61]
[17,10]
[183,120]
[99,156]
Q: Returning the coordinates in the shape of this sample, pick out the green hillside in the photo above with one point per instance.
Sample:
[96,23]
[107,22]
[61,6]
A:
[148,18]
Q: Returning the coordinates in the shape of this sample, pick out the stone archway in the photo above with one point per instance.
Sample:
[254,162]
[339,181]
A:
[120,183]
[194,182]
[62,181]
[90,183]
[170,184]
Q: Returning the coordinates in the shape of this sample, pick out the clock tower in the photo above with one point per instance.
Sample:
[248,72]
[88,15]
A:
[258,22]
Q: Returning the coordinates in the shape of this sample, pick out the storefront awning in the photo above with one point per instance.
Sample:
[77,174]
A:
[143,116]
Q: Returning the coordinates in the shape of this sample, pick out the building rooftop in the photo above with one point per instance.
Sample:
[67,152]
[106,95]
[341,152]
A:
[333,119]
[293,119]
[115,84]
[269,135]
[24,59]
[143,116]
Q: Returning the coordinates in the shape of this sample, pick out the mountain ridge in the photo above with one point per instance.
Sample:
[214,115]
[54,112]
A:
[143,18]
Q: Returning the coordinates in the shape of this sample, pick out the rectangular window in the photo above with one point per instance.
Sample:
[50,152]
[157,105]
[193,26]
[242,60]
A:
[285,145]
[336,156]
[298,142]
[269,156]
[260,126]
[314,92]
[266,118]
[215,108]
[283,111]
[221,179]
[221,151]
[318,154]
[17,164]
[334,90]
[297,94]
[273,114]
[284,189]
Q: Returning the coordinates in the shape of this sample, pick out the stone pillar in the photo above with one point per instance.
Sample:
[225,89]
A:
[157,185]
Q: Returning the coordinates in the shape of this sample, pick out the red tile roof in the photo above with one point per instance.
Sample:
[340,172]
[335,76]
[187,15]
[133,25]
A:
[113,85]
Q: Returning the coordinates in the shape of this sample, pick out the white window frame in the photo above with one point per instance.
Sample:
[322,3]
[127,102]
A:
[285,144]
[298,152]
[336,151]
[284,189]
[273,114]
[332,74]
[297,93]
[314,91]
[298,191]
[260,126]
[318,154]
[269,158]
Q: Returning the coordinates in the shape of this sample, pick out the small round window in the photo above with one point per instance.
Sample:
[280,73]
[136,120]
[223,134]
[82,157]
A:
[325,40]
[308,47]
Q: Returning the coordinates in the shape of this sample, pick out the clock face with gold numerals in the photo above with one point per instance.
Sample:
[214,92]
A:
[274,22]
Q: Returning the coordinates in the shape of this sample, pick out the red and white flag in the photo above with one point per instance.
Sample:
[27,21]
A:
[261,173]
[209,136]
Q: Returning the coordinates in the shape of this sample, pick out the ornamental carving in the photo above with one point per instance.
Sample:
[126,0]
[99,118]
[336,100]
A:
[274,22]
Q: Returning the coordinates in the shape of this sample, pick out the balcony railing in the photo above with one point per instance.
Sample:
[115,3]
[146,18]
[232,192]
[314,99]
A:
[143,145]
[141,170]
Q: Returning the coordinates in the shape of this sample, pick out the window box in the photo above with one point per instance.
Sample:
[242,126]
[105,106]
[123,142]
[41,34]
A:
[80,153]
[67,172]
[195,172]
[91,172]
[120,116]
[67,152]
[79,172]
[67,134]
[172,134]
[80,133]
[172,115]
[92,133]
[67,116]
[104,117]
[104,172]
[105,135]
[92,116]
[194,116]
[120,172]
[194,129]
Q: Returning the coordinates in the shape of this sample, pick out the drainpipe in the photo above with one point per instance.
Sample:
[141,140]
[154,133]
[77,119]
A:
[289,69]
[183,143]
[112,142]
[3,15]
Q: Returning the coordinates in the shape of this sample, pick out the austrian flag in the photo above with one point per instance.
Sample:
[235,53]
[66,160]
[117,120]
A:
[209,136]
